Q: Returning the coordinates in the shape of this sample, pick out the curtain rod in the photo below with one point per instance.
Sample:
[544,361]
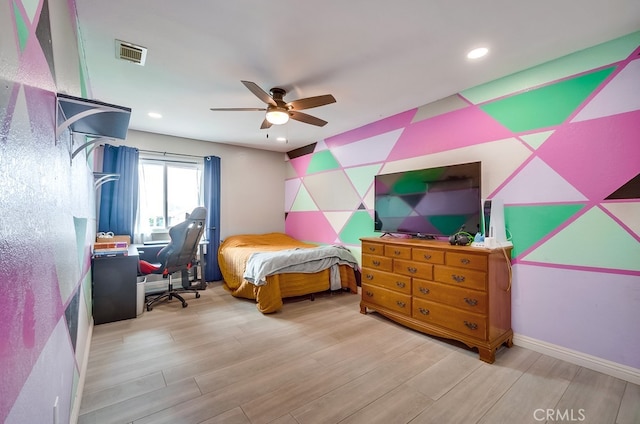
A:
[169,153]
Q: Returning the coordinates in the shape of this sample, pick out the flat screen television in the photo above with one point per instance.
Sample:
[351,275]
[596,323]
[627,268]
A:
[430,203]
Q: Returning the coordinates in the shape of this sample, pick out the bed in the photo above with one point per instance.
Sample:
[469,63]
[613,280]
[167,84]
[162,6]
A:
[274,266]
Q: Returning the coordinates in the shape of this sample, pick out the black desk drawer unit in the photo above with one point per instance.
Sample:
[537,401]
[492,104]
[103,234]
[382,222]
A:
[114,288]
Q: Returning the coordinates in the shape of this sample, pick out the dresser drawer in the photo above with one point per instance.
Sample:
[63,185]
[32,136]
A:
[372,248]
[451,318]
[428,255]
[413,269]
[399,283]
[388,299]
[471,300]
[466,260]
[399,252]
[460,277]
[377,262]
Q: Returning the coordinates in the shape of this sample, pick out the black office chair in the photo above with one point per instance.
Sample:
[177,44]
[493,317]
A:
[179,255]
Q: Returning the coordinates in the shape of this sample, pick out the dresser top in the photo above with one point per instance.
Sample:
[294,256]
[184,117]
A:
[431,244]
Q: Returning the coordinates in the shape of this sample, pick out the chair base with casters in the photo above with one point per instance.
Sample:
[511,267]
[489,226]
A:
[169,294]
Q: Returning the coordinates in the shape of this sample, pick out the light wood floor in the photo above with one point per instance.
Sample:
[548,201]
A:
[221,361]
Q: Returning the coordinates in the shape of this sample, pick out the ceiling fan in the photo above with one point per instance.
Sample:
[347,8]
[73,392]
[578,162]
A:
[279,111]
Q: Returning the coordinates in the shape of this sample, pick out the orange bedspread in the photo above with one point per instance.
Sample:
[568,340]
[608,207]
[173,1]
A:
[234,253]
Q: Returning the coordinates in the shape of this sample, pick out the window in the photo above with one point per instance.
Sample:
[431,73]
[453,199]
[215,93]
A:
[169,189]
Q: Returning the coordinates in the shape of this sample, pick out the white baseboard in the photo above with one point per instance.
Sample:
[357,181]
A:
[75,411]
[613,369]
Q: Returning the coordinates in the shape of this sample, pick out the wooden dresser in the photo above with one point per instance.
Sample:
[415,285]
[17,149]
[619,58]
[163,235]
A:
[456,292]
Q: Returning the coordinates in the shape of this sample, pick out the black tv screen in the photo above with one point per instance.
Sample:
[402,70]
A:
[434,202]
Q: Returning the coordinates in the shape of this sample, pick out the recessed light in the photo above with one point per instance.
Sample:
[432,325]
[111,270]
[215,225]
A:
[478,53]
[281,139]
[154,115]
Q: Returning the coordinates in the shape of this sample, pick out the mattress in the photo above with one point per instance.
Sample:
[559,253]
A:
[235,251]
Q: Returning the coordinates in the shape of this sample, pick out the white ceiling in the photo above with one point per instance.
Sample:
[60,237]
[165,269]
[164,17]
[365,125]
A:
[377,57]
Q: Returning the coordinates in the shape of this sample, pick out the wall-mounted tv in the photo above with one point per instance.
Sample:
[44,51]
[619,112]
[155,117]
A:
[432,202]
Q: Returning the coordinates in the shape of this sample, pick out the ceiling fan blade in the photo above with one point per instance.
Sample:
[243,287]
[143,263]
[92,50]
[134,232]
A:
[310,102]
[259,92]
[307,119]
[237,109]
[265,124]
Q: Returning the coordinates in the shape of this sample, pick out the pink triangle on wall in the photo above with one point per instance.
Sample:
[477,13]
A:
[310,226]
[379,127]
[595,156]
[300,164]
[460,128]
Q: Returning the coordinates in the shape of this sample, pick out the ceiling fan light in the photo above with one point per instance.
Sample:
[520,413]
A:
[277,116]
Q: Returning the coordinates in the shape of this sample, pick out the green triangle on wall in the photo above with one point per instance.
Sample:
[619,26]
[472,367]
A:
[303,201]
[21,26]
[572,64]
[322,161]
[80,226]
[610,245]
[87,289]
[362,177]
[359,225]
[83,81]
[537,139]
[529,224]
[545,106]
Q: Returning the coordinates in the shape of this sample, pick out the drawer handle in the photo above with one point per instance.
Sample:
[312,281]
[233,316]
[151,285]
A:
[396,252]
[471,302]
[376,263]
[400,284]
[372,249]
[427,257]
[424,290]
[423,311]
[400,303]
[457,278]
[412,269]
[471,325]
[368,293]
[465,261]
[369,277]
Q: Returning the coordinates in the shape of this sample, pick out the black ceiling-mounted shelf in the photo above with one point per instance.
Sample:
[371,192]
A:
[91,117]
[103,121]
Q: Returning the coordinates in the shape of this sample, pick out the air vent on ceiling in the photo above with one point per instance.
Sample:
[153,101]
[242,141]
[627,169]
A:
[131,52]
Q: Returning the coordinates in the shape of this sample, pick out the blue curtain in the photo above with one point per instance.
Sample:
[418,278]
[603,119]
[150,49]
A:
[212,203]
[119,199]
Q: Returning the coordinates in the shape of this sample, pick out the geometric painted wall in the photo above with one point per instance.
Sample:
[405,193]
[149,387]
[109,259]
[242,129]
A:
[560,145]
[47,217]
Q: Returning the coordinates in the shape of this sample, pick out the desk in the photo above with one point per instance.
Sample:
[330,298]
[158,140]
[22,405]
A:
[114,287]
